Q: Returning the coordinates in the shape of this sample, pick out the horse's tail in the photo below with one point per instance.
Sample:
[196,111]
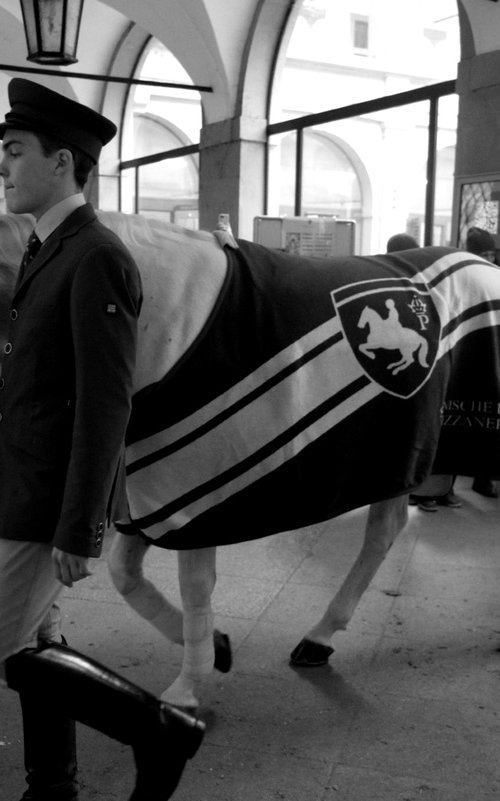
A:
[423,351]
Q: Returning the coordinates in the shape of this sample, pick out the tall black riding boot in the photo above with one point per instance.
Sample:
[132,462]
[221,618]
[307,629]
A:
[162,737]
[49,749]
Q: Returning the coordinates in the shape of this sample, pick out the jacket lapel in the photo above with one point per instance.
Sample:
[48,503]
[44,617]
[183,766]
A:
[69,227]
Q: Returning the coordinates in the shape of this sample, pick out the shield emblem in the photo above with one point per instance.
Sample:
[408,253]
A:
[393,329]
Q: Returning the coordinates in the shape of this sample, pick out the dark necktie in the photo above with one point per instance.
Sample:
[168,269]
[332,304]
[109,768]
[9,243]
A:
[33,245]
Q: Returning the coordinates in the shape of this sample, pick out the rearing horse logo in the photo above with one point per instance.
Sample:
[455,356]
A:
[388,333]
[393,329]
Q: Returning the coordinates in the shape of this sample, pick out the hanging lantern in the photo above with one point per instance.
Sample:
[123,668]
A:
[52,28]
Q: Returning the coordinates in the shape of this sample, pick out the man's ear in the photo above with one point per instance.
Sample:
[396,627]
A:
[64,160]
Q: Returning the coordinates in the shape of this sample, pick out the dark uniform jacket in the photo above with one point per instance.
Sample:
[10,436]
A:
[66,387]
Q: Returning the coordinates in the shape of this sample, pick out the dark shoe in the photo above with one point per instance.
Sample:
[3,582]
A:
[450,499]
[428,505]
[162,738]
[223,654]
[486,487]
[310,654]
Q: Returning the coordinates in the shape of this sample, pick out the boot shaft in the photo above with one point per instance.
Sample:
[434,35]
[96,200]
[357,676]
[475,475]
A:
[162,737]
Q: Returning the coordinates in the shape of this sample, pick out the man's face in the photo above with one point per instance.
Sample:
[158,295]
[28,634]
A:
[28,174]
[489,255]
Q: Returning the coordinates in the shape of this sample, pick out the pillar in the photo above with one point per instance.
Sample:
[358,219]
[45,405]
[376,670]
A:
[232,173]
[478,130]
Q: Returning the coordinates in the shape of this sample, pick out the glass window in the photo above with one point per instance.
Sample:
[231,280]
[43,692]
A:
[443,187]
[360,33]
[330,184]
[372,166]
[161,119]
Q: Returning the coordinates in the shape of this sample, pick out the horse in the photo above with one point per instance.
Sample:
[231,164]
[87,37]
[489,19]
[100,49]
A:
[256,410]
[389,334]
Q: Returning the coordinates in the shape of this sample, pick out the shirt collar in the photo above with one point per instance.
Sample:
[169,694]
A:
[52,218]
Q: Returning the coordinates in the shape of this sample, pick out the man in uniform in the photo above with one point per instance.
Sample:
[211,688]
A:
[65,396]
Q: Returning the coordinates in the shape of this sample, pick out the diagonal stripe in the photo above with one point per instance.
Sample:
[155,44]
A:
[249,429]
[304,431]
[486,311]
[364,392]
[328,332]
[489,319]
[229,410]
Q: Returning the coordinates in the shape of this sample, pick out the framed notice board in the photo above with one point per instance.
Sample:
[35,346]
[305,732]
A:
[478,204]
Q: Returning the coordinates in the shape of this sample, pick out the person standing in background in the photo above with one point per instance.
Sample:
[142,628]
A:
[401,242]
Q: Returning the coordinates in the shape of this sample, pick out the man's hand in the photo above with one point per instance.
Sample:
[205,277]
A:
[69,567]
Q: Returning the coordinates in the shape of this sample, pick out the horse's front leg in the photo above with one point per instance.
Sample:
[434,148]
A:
[125,566]
[385,520]
[367,350]
[197,577]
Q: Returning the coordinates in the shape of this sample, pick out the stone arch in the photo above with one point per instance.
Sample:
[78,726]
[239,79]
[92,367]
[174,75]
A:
[188,31]
[479,27]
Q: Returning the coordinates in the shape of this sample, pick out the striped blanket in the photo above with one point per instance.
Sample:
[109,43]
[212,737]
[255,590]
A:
[316,387]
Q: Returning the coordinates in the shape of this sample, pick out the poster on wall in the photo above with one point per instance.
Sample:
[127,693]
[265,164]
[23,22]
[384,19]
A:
[479,206]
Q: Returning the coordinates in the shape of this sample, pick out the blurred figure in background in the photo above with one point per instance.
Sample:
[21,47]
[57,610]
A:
[481,243]
[401,242]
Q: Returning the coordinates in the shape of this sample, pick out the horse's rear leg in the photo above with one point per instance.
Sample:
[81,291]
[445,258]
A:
[125,566]
[197,576]
[385,520]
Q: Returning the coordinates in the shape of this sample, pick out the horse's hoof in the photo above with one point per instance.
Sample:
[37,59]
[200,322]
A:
[182,694]
[310,654]
[223,661]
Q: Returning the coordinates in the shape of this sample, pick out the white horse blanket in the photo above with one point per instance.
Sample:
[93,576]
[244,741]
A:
[316,387]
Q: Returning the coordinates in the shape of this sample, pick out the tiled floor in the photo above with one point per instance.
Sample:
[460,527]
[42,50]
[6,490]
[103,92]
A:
[408,709]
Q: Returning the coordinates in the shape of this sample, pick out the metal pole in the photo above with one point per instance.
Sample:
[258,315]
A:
[136,198]
[106,78]
[299,152]
[430,191]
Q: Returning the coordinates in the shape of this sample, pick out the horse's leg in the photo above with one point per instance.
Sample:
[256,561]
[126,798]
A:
[401,366]
[406,362]
[385,520]
[125,566]
[366,349]
[403,362]
[197,576]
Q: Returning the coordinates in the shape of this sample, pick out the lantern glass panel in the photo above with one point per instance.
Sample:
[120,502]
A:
[52,28]
[72,25]
[30,25]
[51,12]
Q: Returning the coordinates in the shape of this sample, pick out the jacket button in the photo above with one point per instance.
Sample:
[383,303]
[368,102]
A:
[14,314]
[7,348]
